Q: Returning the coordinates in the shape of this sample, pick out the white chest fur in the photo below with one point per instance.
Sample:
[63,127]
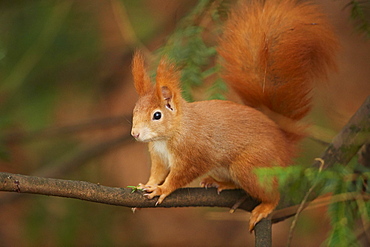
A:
[160,147]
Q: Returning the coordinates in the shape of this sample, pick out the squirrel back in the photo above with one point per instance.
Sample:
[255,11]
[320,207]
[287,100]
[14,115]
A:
[272,52]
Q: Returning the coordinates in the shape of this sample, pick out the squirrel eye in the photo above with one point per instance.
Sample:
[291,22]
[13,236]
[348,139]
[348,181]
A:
[157,115]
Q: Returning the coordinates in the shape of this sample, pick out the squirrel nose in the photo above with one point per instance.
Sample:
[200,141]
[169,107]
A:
[134,134]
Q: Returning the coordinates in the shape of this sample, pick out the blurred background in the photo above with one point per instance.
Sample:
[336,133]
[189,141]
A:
[66,97]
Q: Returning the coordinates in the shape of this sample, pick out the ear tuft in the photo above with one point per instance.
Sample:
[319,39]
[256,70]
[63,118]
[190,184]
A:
[141,79]
[168,79]
[168,84]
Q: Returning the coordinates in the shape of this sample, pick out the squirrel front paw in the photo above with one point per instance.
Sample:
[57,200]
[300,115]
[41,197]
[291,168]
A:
[153,191]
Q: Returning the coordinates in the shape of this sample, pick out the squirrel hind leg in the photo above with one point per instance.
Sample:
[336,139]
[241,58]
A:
[260,212]
[209,182]
[267,191]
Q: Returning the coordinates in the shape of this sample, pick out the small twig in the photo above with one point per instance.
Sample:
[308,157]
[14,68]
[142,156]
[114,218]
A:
[237,204]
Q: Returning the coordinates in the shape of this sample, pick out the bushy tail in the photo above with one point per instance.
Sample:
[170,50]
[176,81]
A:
[273,51]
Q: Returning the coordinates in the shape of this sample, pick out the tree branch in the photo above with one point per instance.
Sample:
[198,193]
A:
[351,138]
[185,197]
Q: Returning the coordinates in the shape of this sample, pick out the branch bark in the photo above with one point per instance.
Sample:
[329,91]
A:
[185,197]
[351,138]
[264,232]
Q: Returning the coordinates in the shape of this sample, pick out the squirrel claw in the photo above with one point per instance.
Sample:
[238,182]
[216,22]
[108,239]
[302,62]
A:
[160,199]
[204,185]
[146,187]
[155,191]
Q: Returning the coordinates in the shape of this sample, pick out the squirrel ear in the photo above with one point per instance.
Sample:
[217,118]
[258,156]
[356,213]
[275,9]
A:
[167,96]
[141,79]
[167,84]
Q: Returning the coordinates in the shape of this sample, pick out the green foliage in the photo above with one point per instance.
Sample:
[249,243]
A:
[192,54]
[348,210]
[134,188]
[292,180]
[343,217]
[348,215]
[218,88]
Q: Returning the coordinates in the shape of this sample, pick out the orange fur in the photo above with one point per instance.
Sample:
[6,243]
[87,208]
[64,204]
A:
[283,46]
[271,53]
[141,79]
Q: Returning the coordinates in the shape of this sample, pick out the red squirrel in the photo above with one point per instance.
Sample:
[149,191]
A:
[272,51]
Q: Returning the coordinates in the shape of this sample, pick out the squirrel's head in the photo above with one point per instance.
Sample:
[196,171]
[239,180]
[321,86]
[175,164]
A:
[157,112]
